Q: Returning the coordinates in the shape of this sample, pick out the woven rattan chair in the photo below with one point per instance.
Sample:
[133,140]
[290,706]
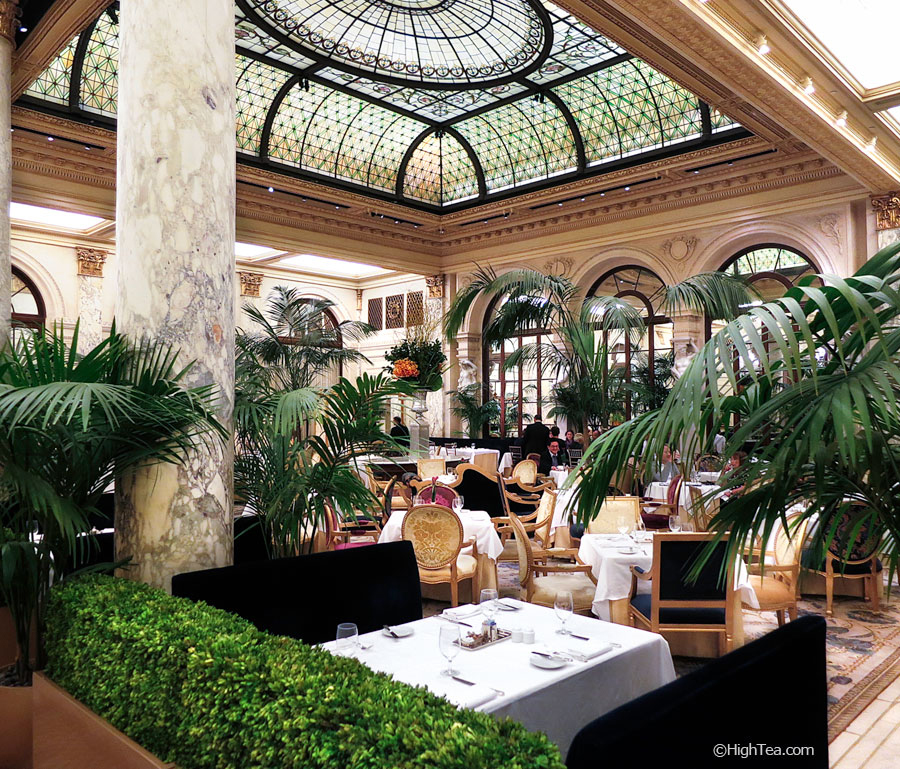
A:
[436,534]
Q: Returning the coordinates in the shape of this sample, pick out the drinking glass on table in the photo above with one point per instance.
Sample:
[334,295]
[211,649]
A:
[564,607]
[623,524]
[488,602]
[347,637]
[448,642]
[675,523]
[458,504]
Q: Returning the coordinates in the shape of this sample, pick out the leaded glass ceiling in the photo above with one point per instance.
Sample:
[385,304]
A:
[439,104]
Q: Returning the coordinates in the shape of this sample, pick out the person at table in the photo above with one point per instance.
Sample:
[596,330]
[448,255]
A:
[733,463]
[595,435]
[400,432]
[535,437]
[571,443]
[554,432]
[553,457]
[667,469]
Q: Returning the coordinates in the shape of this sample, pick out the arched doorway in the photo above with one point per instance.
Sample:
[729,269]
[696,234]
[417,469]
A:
[28,308]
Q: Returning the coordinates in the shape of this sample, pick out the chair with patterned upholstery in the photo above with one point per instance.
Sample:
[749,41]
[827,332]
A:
[708,463]
[436,534]
[537,522]
[858,561]
[656,513]
[480,489]
[540,581]
[607,520]
[431,467]
[525,472]
[443,495]
[347,532]
[777,583]
[678,604]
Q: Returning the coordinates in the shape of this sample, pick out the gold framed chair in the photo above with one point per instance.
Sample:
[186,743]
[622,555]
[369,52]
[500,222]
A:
[606,521]
[673,605]
[700,514]
[342,533]
[525,472]
[436,534]
[431,467]
[537,523]
[541,581]
[777,584]
[656,513]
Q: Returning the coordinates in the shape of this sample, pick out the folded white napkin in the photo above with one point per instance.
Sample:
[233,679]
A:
[461,612]
[463,696]
[588,650]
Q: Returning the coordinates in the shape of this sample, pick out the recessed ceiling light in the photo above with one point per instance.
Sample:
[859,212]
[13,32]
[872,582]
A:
[559,204]
[870,145]
[841,120]
[762,44]
[23,29]
[271,189]
[582,200]
[808,87]
[696,172]
[49,138]
[627,188]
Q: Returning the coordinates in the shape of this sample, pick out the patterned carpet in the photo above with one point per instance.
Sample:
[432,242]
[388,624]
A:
[862,655]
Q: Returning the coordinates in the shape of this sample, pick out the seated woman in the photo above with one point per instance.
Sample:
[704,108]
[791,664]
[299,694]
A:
[667,470]
[733,463]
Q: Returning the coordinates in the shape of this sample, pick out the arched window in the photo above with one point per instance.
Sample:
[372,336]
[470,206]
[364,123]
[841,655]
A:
[521,392]
[638,363]
[28,309]
[770,268]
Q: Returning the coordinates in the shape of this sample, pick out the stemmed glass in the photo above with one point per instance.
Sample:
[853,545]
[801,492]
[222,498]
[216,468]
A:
[458,504]
[637,533]
[448,642]
[347,638]
[674,523]
[564,606]
[488,603]
[623,524]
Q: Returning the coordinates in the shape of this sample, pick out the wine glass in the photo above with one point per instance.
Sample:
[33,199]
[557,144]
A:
[347,637]
[448,642]
[564,606]
[639,530]
[458,504]
[687,526]
[623,524]
[488,603]
[674,523]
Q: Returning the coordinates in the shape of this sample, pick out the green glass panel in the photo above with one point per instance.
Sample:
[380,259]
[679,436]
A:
[440,171]
[100,73]
[53,83]
[257,86]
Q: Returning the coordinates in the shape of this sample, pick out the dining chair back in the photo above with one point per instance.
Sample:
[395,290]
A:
[708,463]
[701,512]
[575,455]
[450,449]
[544,519]
[515,453]
[443,495]
[525,472]
[480,489]
[431,467]
[607,519]
[436,533]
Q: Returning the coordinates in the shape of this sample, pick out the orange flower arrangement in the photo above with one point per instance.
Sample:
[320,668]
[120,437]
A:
[405,368]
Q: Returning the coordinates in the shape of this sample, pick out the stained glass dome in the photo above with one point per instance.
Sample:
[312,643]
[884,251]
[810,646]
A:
[438,43]
[522,95]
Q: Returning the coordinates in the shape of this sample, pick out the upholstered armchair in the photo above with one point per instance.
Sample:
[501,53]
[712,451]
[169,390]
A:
[536,523]
[540,581]
[480,489]
[607,520]
[443,495]
[436,534]
[656,513]
[344,533]
[525,472]
[776,584]
[678,605]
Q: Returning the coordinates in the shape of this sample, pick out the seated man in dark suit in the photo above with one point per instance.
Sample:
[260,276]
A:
[553,457]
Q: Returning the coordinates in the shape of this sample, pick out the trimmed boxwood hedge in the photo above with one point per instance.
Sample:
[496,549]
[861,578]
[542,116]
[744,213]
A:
[205,689]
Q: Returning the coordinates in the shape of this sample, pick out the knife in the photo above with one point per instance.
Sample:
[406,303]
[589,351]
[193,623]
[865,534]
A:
[454,621]
[579,637]
[463,681]
[391,632]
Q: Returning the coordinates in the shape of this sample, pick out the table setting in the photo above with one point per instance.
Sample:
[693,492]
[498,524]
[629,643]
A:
[529,675]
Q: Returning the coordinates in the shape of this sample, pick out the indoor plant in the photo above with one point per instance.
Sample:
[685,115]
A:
[469,407]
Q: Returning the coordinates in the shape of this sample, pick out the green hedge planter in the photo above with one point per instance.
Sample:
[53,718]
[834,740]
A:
[205,689]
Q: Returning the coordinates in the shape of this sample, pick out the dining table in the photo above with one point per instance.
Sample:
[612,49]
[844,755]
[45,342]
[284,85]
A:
[477,525]
[611,557]
[607,667]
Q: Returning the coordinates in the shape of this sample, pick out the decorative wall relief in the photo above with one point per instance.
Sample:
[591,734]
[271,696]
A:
[91,261]
[435,285]
[680,248]
[250,283]
[560,265]
[830,226]
[887,211]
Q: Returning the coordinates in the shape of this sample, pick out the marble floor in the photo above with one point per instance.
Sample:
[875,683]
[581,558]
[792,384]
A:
[872,741]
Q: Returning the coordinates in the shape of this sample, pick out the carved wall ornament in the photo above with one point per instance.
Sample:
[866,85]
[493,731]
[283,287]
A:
[560,265]
[887,211]
[680,248]
[435,285]
[9,19]
[359,298]
[91,261]
[250,283]
[830,225]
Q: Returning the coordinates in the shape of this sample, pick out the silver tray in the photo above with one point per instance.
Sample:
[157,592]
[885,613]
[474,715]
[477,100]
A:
[505,635]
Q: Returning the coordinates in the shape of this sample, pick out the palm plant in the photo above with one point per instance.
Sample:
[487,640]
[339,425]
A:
[470,408]
[69,426]
[823,430]
[293,481]
[578,357]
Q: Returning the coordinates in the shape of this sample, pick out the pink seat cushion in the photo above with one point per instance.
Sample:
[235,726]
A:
[348,545]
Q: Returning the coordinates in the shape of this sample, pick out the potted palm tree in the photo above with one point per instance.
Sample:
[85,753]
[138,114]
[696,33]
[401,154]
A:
[469,407]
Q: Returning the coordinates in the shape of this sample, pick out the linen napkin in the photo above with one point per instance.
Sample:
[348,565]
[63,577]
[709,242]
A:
[461,612]
[461,695]
[588,650]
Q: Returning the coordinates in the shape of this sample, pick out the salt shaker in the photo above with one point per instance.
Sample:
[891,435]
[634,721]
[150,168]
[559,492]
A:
[528,635]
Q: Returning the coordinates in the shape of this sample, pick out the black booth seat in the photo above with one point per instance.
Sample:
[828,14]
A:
[308,596]
[771,692]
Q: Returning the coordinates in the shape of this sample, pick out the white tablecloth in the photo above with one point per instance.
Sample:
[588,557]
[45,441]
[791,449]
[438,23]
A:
[467,453]
[612,570]
[661,490]
[476,523]
[505,461]
[556,702]
[564,504]
[559,476]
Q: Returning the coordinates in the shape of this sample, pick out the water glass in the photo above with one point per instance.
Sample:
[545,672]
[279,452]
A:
[674,523]
[623,524]
[564,607]
[488,603]
[458,504]
[687,526]
[347,637]
[448,642]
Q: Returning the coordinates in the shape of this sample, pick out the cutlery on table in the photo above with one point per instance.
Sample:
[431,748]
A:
[391,632]
[454,621]
[553,655]
[472,683]
[579,637]
[507,606]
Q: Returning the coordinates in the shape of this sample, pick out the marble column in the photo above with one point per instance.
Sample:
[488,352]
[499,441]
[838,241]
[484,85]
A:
[9,23]
[687,338]
[434,315]
[90,296]
[176,283]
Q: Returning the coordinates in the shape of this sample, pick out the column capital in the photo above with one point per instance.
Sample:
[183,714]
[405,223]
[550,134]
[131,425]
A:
[250,283]
[9,19]
[887,211]
[90,260]
[435,285]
